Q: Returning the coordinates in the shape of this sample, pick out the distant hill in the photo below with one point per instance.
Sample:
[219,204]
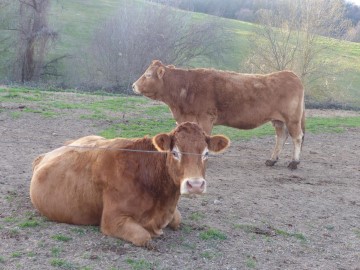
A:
[77,20]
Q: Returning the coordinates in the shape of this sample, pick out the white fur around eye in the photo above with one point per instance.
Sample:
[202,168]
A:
[205,154]
[148,74]
[176,153]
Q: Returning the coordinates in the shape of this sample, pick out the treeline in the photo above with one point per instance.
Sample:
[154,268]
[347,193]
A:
[119,50]
[248,10]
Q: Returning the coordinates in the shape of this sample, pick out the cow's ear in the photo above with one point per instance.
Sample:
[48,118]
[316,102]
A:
[160,72]
[162,142]
[156,63]
[218,143]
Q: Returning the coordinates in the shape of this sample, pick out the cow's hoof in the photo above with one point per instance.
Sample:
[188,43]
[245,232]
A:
[151,246]
[293,165]
[270,162]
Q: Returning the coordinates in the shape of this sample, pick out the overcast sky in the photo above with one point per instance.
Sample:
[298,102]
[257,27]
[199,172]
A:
[355,2]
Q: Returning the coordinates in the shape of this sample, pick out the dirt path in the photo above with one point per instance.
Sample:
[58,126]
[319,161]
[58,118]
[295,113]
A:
[254,217]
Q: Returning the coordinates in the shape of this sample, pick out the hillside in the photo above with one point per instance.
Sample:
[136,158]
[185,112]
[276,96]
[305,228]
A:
[77,20]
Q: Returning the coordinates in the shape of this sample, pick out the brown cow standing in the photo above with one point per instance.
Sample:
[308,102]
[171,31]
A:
[245,101]
[131,194]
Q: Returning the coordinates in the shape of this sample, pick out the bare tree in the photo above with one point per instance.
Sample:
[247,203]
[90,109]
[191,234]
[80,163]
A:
[4,21]
[127,43]
[294,34]
[353,33]
[34,36]
[6,41]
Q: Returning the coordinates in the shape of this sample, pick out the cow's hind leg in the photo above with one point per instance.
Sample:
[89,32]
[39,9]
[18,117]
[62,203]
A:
[297,136]
[281,136]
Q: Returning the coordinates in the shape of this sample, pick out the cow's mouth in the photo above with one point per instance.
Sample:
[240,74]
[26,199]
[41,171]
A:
[135,89]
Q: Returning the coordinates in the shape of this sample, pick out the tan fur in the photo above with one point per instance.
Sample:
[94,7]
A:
[131,195]
[212,97]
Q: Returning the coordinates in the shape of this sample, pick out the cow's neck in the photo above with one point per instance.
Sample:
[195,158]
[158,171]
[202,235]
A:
[176,88]
[152,175]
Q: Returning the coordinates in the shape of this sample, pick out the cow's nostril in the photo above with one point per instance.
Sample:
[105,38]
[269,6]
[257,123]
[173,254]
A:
[202,184]
[188,184]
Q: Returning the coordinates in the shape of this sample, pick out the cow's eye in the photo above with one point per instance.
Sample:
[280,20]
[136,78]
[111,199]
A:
[205,155]
[175,154]
[147,74]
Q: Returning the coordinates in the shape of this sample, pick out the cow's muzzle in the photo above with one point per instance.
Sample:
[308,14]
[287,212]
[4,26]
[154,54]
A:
[135,89]
[193,186]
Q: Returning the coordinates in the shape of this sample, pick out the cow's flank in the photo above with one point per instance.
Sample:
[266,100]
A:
[211,97]
[130,194]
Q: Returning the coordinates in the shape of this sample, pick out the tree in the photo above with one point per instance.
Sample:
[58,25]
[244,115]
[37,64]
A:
[127,43]
[294,34]
[354,33]
[34,37]
[6,41]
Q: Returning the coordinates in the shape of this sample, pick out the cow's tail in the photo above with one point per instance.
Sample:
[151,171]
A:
[37,161]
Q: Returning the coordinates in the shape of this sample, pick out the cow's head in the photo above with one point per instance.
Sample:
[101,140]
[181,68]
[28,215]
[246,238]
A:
[151,83]
[188,149]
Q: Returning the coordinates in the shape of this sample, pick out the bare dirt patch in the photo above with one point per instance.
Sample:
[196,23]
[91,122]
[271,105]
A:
[254,217]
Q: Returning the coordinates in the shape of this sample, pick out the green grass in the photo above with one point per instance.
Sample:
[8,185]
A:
[55,252]
[29,224]
[333,124]
[250,262]
[139,264]
[357,232]
[16,254]
[143,118]
[208,255]
[10,219]
[187,245]
[245,227]
[196,216]
[13,233]
[212,234]
[155,111]
[61,238]
[186,228]
[62,264]
[142,127]
[139,128]
[79,231]
[298,236]
[31,254]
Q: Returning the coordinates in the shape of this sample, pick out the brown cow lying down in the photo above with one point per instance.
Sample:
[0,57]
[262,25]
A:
[211,97]
[132,195]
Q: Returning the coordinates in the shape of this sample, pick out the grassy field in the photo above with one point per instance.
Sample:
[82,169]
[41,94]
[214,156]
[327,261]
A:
[77,20]
[137,116]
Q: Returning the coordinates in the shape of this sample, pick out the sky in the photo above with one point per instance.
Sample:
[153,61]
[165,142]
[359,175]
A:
[355,2]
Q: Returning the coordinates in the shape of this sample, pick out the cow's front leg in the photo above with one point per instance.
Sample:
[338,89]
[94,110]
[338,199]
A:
[175,222]
[125,228]
[114,223]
